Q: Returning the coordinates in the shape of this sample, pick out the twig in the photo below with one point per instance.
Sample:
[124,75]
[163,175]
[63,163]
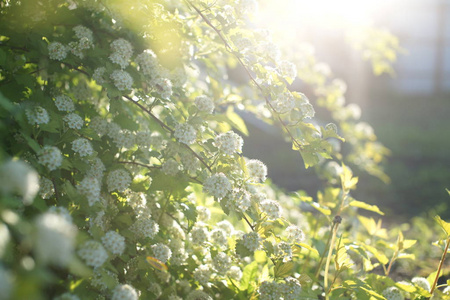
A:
[441,263]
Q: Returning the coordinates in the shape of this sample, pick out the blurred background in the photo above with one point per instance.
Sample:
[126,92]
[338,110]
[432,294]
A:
[408,109]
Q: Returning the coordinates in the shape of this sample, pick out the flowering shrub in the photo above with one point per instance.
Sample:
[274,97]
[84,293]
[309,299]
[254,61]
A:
[122,172]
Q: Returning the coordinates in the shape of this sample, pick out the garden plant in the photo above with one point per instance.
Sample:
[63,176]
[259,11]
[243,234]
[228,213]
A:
[122,173]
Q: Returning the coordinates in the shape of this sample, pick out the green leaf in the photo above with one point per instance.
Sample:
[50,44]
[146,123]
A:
[324,210]
[444,225]
[363,205]
[236,121]
[241,250]
[249,275]
[283,269]
[302,245]
[379,256]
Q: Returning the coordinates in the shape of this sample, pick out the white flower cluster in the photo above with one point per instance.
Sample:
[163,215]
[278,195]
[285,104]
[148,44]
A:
[247,6]
[272,209]
[155,289]
[294,234]
[198,295]
[93,253]
[239,200]
[235,273]
[96,170]
[251,240]
[185,133]
[46,188]
[204,104]
[219,237]
[148,63]
[99,75]
[74,121]
[243,43]
[257,170]
[114,242]
[161,252]
[288,69]
[190,162]
[83,147]
[269,290]
[217,185]
[393,293]
[124,292]
[61,211]
[145,228]
[284,250]
[118,180]
[229,142]
[203,213]
[64,103]
[17,177]
[163,86]
[37,115]
[422,282]
[90,187]
[284,103]
[292,289]
[85,41]
[202,274]
[221,263]
[199,234]
[55,239]
[226,226]
[307,110]
[270,50]
[122,52]
[122,80]
[57,51]
[67,296]
[171,167]
[50,157]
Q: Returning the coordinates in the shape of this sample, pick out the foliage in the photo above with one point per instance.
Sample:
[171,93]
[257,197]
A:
[122,173]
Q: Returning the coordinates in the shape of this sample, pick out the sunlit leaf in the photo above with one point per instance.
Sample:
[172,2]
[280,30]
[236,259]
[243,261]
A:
[444,225]
[363,205]
[302,245]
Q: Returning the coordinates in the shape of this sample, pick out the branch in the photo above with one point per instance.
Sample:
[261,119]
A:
[229,49]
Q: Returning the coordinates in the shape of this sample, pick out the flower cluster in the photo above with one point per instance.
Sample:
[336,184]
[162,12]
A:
[114,242]
[122,80]
[185,133]
[37,115]
[118,180]
[93,253]
[73,121]
[204,104]
[64,103]
[122,52]
[50,157]
[217,185]
[229,143]
[83,147]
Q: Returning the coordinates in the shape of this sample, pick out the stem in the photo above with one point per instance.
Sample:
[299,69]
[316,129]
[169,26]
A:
[330,251]
[322,257]
[394,257]
[441,263]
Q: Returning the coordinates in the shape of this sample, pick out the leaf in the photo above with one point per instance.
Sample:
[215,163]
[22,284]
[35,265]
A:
[444,225]
[236,121]
[363,205]
[325,210]
[241,250]
[379,256]
[283,269]
[249,275]
[302,245]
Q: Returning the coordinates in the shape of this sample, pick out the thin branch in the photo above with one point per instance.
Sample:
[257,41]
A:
[441,263]
[228,47]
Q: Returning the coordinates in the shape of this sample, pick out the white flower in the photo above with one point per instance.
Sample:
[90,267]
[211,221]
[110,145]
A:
[61,211]
[93,253]
[185,133]
[288,69]
[83,147]
[229,142]
[57,51]
[202,274]
[145,227]
[67,296]
[221,263]
[90,187]
[257,170]
[17,177]
[122,52]
[118,180]
[292,289]
[170,167]
[393,293]
[99,75]
[122,80]
[97,169]
[124,292]
[83,32]
[55,239]
[161,252]
[198,295]
[204,104]
[74,121]
[284,250]
[284,103]
[271,208]
[163,87]
[422,282]
[203,213]
[64,103]
[114,242]
[217,185]
[294,234]
[99,125]
[199,234]
[50,157]
[251,240]
[219,237]
[37,115]
[46,188]
[148,63]
[269,290]
[235,273]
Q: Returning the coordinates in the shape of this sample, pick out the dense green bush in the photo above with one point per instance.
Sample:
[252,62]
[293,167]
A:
[122,172]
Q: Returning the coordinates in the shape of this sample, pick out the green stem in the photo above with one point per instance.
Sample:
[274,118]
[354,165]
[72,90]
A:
[322,257]
[441,263]
[330,251]
[394,257]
